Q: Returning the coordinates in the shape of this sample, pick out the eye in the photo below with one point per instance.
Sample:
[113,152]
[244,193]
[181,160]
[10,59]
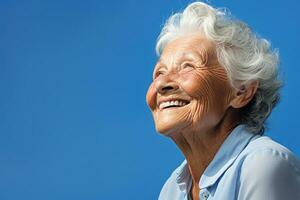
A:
[187,67]
[158,73]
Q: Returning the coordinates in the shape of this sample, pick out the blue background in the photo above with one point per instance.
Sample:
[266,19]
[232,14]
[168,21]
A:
[74,123]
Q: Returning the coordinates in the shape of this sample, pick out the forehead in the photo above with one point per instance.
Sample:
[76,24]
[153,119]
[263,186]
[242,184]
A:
[188,45]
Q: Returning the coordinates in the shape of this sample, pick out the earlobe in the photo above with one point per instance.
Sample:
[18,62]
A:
[244,94]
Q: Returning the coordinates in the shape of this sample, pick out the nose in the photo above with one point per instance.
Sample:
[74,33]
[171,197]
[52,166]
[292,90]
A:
[166,85]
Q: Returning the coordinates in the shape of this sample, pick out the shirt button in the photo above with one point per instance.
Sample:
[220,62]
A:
[204,195]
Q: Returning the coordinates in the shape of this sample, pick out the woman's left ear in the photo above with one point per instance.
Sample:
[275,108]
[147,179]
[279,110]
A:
[244,94]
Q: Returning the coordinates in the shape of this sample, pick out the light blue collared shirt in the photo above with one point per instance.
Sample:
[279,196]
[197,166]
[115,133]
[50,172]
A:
[246,167]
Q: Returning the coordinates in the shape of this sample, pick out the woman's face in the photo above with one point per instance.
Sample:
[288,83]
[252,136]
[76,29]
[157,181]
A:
[190,89]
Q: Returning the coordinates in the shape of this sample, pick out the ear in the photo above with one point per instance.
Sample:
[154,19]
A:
[244,94]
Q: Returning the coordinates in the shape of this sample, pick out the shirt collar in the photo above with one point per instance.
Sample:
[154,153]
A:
[183,176]
[233,145]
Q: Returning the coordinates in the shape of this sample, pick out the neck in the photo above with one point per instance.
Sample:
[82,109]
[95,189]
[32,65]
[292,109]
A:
[200,146]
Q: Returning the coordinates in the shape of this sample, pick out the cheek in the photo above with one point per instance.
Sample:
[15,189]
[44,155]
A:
[195,85]
[210,89]
[151,97]
[222,87]
[206,85]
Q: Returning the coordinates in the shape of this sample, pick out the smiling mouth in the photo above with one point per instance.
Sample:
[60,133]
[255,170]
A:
[173,104]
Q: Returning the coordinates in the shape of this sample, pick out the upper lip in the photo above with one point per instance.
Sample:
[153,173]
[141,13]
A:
[171,99]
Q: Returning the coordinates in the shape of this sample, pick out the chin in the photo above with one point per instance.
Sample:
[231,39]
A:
[169,122]
[168,127]
[163,130]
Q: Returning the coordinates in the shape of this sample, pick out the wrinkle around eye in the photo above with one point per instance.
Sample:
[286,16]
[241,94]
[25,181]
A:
[186,70]
[158,70]
[186,67]
[157,74]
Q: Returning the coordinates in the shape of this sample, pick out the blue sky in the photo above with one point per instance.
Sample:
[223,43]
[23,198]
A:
[74,123]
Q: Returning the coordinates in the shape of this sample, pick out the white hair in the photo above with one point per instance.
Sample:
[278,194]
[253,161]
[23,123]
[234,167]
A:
[245,56]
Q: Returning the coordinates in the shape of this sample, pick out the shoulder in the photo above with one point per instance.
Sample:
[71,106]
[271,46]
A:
[268,170]
[264,152]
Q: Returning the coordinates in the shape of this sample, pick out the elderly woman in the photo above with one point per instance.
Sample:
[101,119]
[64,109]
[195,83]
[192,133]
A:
[214,85]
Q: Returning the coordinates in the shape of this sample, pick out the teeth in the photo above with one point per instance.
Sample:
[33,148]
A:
[171,103]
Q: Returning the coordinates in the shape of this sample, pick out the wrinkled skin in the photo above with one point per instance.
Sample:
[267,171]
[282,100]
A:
[188,69]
